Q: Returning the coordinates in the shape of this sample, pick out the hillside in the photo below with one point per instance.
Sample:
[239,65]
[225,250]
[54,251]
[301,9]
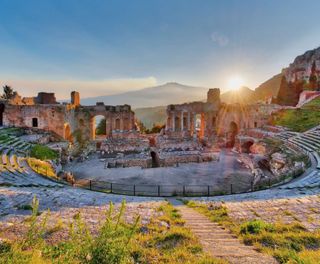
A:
[169,93]
[151,115]
[269,88]
[243,95]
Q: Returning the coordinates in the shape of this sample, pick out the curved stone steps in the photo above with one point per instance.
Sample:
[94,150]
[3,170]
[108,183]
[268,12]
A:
[301,144]
[312,180]
[308,140]
[219,242]
[312,136]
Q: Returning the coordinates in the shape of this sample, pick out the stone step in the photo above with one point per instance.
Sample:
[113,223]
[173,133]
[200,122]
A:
[219,241]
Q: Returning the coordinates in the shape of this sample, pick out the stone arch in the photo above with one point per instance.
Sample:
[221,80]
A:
[233,131]
[67,134]
[2,107]
[94,123]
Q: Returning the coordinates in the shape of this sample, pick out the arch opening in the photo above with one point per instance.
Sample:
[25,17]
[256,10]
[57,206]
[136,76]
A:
[99,127]
[200,123]
[155,159]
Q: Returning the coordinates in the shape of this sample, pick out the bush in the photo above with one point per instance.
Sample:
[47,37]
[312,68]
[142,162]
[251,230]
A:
[255,227]
[43,153]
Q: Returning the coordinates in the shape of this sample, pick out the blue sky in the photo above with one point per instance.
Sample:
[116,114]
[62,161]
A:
[105,47]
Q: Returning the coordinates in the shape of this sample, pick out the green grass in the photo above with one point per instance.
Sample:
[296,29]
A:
[43,153]
[299,120]
[288,243]
[163,240]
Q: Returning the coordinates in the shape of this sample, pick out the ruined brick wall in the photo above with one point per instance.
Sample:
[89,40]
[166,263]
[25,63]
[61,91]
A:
[46,98]
[244,116]
[46,117]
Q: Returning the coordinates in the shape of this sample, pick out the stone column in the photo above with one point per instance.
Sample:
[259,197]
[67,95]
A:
[173,122]
[194,126]
[189,121]
[182,125]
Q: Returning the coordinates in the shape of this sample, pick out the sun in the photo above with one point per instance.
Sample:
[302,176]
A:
[235,82]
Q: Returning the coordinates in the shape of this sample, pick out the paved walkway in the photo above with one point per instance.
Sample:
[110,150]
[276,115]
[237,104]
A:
[219,242]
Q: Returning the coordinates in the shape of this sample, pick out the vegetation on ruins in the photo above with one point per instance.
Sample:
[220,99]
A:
[8,92]
[300,119]
[288,243]
[41,167]
[43,152]
[163,240]
[155,129]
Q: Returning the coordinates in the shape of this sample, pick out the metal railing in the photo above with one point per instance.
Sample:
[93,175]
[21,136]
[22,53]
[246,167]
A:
[182,190]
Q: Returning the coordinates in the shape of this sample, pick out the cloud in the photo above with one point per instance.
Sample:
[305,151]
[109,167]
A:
[219,39]
[87,88]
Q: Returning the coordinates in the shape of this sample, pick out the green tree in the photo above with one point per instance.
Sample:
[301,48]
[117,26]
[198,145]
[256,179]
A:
[141,126]
[313,83]
[101,128]
[8,92]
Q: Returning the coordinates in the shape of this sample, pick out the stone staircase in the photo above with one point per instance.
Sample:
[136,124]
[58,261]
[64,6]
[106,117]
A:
[308,141]
[219,242]
[14,170]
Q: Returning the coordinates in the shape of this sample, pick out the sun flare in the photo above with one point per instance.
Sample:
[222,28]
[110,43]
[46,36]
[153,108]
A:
[235,82]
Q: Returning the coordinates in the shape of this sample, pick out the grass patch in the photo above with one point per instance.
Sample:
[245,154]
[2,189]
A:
[43,153]
[163,240]
[288,243]
[299,120]
[41,167]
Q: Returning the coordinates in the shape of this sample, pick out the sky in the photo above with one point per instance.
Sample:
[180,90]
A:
[107,47]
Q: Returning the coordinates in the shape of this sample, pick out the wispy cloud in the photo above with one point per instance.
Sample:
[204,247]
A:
[220,39]
[87,88]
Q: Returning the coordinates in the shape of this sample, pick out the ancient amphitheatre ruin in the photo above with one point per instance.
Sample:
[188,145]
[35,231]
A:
[206,149]
[106,157]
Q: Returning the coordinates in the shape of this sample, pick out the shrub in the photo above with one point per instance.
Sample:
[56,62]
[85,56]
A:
[255,227]
[43,153]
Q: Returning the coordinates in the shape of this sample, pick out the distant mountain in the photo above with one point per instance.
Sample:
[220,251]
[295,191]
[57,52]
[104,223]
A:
[269,88]
[151,115]
[169,93]
[243,95]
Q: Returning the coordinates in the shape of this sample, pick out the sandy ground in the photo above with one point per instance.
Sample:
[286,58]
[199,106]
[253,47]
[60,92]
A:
[219,174]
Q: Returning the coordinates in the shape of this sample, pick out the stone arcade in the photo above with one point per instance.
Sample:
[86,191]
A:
[68,119]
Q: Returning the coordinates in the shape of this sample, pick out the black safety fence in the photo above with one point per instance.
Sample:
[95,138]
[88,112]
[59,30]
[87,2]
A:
[183,190]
